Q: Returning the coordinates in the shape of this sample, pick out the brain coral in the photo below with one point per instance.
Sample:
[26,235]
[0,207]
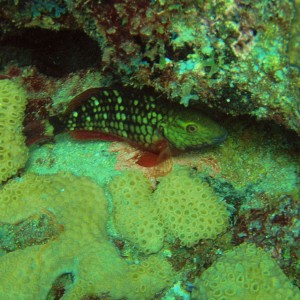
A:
[82,248]
[245,272]
[182,206]
[13,151]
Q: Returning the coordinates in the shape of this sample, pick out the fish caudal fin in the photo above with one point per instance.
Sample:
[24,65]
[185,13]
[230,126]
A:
[38,132]
[38,126]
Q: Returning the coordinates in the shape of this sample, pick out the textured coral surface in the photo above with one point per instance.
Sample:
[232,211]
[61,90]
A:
[13,151]
[245,272]
[182,206]
[80,247]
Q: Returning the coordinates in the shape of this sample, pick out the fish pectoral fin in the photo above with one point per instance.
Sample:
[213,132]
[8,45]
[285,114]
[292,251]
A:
[149,159]
[82,135]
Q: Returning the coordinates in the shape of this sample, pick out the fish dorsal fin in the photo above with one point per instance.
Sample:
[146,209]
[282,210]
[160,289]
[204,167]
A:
[80,99]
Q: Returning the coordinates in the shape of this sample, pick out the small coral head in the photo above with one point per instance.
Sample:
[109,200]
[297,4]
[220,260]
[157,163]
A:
[192,130]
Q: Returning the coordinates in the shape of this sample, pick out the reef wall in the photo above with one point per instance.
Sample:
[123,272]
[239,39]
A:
[237,57]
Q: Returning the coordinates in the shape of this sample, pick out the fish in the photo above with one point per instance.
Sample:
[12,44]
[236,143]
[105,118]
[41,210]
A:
[143,118]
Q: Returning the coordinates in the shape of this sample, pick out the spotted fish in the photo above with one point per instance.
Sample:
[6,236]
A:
[140,117]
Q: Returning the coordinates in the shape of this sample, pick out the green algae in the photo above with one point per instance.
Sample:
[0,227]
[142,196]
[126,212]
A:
[251,158]
[294,40]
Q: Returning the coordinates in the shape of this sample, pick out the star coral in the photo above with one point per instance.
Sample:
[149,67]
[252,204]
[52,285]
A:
[245,272]
[181,207]
[81,248]
[236,57]
[13,151]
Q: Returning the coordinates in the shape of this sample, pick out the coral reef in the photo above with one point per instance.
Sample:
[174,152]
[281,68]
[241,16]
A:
[294,41]
[13,151]
[80,158]
[228,55]
[245,272]
[254,173]
[189,208]
[80,247]
[236,60]
[182,206]
[263,165]
[134,213]
[276,228]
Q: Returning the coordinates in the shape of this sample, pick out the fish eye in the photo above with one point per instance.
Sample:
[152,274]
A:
[191,128]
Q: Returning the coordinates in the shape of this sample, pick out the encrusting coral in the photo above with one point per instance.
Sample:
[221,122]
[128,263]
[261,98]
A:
[13,151]
[182,206]
[245,272]
[81,248]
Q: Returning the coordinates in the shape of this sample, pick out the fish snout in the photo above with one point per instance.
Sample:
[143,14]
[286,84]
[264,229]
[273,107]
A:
[220,139]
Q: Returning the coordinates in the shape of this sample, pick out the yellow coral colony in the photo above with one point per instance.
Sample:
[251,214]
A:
[135,215]
[182,207]
[82,248]
[189,208]
[13,151]
[245,272]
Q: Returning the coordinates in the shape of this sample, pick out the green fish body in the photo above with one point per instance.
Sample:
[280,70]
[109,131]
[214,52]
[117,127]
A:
[141,118]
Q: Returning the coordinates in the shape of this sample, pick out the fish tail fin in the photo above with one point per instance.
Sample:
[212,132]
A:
[37,131]
[39,126]
[57,124]
[42,131]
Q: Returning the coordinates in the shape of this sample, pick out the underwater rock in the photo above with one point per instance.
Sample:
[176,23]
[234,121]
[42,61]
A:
[231,56]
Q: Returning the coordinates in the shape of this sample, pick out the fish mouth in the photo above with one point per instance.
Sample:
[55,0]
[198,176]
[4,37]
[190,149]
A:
[198,147]
[214,142]
[220,139]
